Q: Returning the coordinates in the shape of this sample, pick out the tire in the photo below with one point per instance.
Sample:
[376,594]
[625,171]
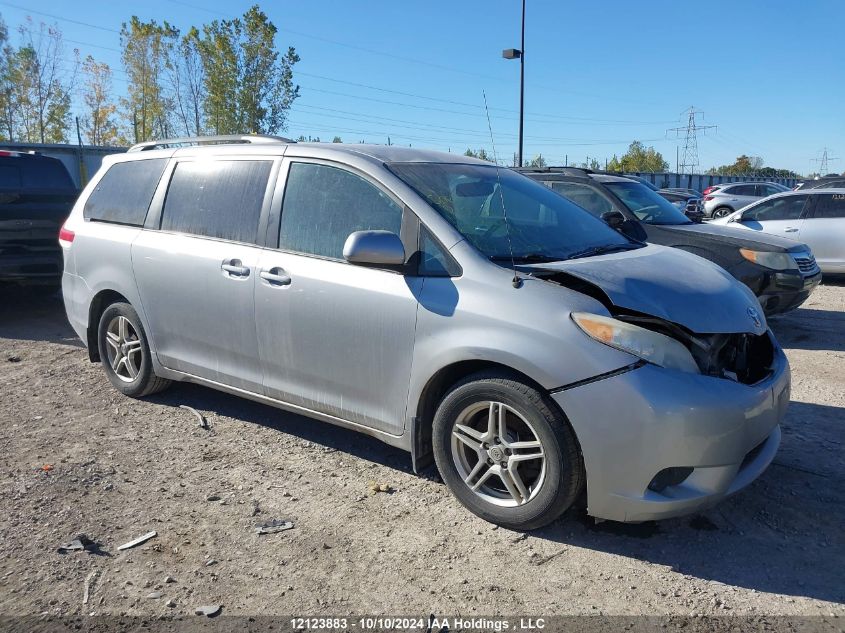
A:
[534,426]
[722,212]
[125,353]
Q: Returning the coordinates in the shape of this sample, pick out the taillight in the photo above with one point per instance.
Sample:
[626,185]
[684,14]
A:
[707,198]
[66,236]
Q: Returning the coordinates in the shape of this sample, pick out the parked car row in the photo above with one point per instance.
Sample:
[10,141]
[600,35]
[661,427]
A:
[781,272]
[462,311]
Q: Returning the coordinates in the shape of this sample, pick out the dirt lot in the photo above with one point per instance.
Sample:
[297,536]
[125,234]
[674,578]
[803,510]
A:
[121,468]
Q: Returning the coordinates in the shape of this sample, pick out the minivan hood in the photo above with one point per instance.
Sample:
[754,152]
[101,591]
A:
[669,284]
[740,237]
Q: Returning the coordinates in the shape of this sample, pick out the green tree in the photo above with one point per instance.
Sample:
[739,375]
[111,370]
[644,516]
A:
[249,84]
[98,122]
[147,51]
[187,83]
[639,158]
[337,139]
[40,85]
[537,161]
[480,153]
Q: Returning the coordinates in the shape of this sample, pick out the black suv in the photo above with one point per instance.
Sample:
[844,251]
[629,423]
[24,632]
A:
[36,196]
[643,214]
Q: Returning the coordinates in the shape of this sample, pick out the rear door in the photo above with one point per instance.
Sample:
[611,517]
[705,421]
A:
[334,337]
[740,196]
[779,216]
[196,265]
[824,230]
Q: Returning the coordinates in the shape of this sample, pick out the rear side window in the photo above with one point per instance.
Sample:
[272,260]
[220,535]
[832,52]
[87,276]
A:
[218,198]
[830,206]
[741,190]
[124,193]
[323,205]
[34,172]
[584,196]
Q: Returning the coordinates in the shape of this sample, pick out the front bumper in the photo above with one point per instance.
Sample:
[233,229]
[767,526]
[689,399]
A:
[778,292]
[634,425]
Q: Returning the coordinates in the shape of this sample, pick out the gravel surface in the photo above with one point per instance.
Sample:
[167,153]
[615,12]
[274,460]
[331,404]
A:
[369,536]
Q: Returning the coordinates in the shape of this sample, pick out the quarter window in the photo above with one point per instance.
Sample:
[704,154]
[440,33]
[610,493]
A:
[124,192]
[830,206]
[217,198]
[323,205]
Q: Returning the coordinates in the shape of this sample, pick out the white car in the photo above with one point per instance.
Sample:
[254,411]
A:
[815,217]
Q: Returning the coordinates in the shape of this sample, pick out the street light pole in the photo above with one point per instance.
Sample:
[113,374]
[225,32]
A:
[521,84]
[514,53]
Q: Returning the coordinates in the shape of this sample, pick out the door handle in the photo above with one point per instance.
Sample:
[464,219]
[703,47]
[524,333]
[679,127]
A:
[790,229]
[234,267]
[276,276]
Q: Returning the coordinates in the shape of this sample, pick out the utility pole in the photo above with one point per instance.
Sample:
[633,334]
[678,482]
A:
[823,161]
[690,163]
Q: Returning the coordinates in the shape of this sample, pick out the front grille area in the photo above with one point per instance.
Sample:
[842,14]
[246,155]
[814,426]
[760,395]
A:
[807,264]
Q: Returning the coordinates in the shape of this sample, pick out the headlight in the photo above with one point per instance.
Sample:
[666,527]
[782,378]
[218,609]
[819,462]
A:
[650,346]
[775,261]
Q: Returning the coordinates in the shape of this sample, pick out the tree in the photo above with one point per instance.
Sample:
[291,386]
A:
[98,123]
[537,161]
[639,158]
[479,153]
[187,83]
[337,139]
[147,50]
[751,165]
[40,86]
[249,84]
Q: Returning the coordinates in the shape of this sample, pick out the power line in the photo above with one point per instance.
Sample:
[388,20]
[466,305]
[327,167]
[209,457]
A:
[690,161]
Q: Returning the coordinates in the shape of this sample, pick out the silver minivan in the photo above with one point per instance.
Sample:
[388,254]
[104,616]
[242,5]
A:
[459,311]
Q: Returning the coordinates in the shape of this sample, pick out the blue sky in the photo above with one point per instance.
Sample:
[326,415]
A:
[768,74]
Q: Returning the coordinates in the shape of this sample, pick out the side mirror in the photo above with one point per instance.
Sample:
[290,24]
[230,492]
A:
[614,219]
[374,248]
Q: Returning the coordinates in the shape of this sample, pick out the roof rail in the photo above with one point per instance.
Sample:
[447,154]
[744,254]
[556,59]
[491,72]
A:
[551,169]
[221,139]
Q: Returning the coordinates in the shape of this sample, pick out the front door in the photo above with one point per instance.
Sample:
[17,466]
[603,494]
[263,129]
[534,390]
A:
[777,216]
[334,337]
[824,231]
[196,275]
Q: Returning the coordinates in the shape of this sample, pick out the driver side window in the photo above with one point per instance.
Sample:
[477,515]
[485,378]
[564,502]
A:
[786,208]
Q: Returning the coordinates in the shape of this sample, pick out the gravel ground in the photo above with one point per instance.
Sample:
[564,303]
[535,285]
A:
[77,457]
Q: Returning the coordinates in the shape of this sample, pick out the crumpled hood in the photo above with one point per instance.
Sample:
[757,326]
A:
[670,284]
[740,237]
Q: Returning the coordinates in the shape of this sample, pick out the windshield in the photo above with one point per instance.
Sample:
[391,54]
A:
[648,206]
[540,224]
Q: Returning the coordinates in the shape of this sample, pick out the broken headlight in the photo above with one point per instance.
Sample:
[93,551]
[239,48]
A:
[653,347]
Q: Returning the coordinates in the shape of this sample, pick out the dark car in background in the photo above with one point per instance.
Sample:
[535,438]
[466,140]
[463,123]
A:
[825,182]
[36,196]
[689,205]
[780,271]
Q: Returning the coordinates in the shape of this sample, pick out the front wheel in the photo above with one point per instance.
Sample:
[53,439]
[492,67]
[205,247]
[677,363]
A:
[506,451]
[721,212]
[125,353]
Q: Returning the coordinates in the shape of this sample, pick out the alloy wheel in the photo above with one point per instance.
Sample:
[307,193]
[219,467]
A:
[498,454]
[123,346]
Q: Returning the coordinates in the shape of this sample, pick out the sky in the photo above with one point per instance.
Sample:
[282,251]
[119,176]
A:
[769,75]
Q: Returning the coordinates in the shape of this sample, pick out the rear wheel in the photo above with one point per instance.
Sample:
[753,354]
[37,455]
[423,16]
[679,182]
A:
[506,451]
[722,212]
[125,353]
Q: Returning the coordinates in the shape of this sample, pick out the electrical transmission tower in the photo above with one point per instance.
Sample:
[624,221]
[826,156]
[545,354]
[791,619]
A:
[691,130]
[823,161]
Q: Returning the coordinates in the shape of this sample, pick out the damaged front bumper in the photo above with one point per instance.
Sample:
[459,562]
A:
[659,443]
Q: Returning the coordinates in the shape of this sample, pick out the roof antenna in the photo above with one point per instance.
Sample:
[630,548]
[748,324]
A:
[516,281]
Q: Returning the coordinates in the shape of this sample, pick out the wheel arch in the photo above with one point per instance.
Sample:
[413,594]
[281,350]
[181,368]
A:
[432,393]
[102,300]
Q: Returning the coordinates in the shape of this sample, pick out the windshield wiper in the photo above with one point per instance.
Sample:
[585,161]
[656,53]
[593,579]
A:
[528,258]
[601,250]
